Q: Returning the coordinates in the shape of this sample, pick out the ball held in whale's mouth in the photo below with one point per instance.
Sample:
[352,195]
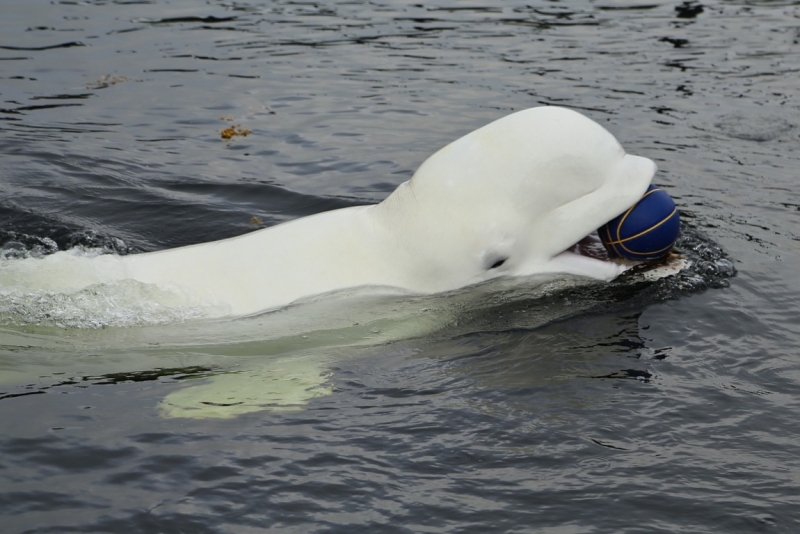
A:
[646,231]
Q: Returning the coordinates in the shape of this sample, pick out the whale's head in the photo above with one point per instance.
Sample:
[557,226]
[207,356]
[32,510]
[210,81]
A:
[514,197]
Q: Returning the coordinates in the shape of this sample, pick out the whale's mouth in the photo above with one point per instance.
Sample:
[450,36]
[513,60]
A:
[591,247]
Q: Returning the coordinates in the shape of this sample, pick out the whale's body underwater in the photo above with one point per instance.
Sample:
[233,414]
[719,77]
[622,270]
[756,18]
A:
[506,200]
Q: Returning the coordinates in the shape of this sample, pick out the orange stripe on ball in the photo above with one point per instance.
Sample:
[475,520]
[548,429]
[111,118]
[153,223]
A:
[620,241]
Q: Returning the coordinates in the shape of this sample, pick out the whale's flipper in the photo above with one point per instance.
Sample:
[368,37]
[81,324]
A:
[287,384]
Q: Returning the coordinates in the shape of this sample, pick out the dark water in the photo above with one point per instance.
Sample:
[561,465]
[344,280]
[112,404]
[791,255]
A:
[653,413]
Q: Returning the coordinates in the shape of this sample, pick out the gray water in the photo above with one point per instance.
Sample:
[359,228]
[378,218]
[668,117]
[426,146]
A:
[663,408]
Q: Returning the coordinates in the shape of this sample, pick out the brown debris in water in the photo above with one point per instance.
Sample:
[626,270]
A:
[235,130]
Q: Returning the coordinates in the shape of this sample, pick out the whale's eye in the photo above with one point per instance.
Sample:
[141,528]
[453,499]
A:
[498,263]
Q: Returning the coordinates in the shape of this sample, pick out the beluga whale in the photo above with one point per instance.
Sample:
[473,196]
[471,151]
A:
[510,199]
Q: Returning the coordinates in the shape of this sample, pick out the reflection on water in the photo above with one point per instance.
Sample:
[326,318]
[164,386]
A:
[651,409]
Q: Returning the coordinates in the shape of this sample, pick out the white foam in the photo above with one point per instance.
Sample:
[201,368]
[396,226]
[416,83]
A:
[125,303]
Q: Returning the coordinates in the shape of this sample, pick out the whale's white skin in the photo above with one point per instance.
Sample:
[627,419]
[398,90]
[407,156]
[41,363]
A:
[521,191]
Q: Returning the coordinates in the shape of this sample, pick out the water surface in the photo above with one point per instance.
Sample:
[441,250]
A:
[618,411]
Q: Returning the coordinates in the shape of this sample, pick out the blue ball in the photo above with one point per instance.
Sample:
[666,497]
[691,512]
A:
[647,231]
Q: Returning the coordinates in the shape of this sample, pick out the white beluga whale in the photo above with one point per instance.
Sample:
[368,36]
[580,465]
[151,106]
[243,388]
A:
[507,202]
[510,199]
